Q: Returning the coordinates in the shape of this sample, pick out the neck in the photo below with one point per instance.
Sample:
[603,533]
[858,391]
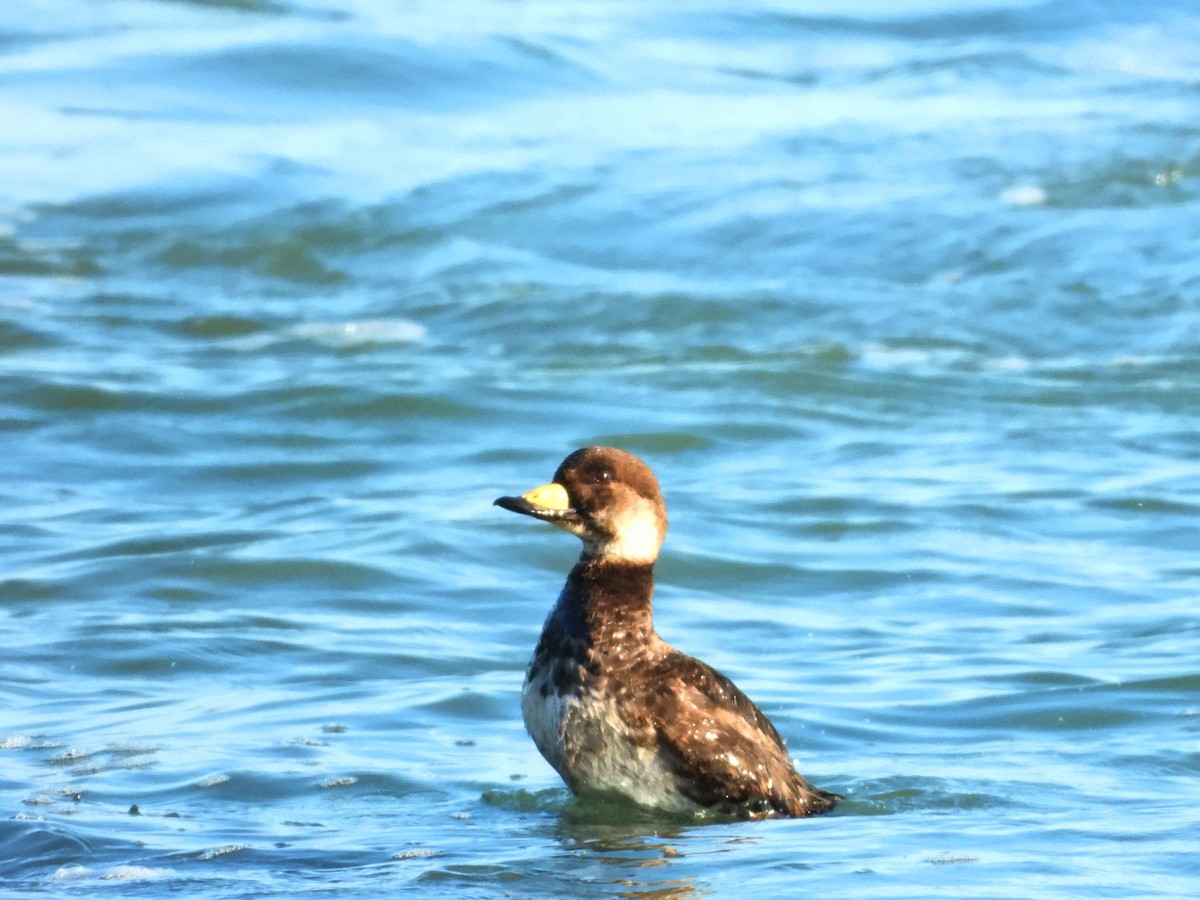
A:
[610,600]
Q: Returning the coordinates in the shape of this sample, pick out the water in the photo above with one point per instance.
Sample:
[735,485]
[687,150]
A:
[901,303]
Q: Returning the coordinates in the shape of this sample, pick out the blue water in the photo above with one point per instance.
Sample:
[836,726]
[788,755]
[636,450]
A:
[901,302]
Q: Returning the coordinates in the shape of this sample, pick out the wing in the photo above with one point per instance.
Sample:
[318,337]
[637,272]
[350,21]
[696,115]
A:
[727,750]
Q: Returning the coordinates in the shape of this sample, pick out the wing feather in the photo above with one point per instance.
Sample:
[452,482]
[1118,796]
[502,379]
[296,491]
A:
[728,751]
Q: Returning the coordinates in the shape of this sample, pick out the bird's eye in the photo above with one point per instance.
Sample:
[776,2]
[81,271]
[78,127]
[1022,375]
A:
[603,475]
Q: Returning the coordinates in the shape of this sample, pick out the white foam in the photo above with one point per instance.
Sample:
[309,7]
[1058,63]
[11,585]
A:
[1024,195]
[366,331]
[72,755]
[68,873]
[137,873]
[223,850]
[417,853]
[360,333]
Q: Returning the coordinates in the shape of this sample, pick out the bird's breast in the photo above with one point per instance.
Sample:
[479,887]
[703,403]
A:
[597,743]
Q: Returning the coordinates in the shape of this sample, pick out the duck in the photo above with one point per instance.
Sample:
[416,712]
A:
[615,709]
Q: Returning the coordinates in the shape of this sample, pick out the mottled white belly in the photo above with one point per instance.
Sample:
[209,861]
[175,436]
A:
[594,750]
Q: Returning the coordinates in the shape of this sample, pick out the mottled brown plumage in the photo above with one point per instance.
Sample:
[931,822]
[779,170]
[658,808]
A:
[613,707]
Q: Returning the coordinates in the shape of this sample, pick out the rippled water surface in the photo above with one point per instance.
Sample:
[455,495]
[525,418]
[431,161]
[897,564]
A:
[901,302]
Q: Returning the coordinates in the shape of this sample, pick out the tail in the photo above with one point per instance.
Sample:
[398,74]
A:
[809,800]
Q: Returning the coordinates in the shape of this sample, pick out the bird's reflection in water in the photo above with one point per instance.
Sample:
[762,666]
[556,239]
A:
[667,890]
[633,840]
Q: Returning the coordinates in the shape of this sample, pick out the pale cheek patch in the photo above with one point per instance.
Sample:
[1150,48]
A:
[639,534]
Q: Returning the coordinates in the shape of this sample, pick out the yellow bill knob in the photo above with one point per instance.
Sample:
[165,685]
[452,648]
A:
[549,496]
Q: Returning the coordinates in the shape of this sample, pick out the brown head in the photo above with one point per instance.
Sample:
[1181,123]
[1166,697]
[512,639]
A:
[606,497]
